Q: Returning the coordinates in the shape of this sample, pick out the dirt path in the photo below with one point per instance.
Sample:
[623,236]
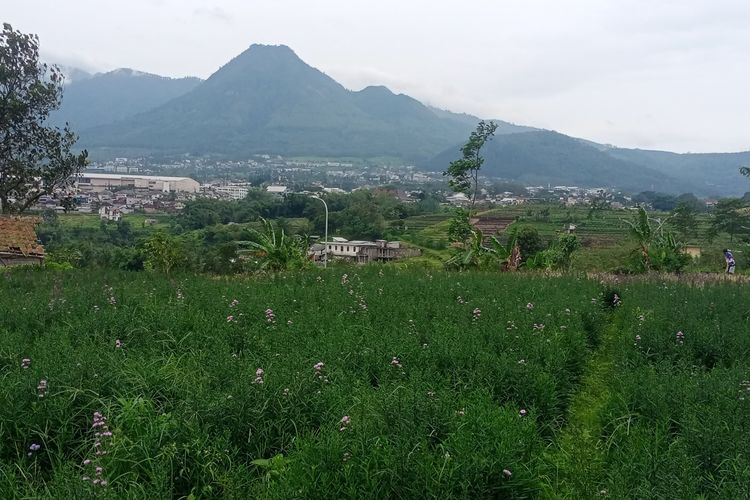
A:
[576,459]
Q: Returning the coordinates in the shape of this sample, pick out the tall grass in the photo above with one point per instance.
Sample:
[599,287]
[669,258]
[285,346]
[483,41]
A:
[450,384]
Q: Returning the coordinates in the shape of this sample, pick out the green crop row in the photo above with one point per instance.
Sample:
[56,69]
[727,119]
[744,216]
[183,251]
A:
[372,384]
[675,422]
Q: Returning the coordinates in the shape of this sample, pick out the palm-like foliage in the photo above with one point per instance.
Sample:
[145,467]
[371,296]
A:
[509,254]
[474,254]
[645,231]
[642,233]
[276,251]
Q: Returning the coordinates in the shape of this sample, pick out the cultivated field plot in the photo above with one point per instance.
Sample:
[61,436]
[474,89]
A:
[371,384]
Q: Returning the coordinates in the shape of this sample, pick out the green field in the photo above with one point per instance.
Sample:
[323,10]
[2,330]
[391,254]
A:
[374,383]
[605,241]
[208,232]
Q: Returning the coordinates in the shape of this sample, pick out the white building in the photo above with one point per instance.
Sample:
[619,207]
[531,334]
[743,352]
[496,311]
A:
[458,199]
[110,214]
[97,182]
[276,189]
[233,191]
[361,251]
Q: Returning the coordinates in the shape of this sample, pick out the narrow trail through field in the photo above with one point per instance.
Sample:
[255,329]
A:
[576,458]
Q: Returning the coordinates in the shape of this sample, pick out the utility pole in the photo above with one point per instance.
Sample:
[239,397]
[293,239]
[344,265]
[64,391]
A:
[325,241]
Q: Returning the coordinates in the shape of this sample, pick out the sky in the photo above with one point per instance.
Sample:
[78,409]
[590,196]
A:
[652,74]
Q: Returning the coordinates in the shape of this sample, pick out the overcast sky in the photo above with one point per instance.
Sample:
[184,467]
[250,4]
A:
[657,74]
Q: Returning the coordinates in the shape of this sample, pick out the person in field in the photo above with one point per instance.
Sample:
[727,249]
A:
[729,259]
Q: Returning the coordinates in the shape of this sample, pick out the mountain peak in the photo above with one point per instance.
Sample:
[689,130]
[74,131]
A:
[271,48]
[260,51]
[377,90]
[127,72]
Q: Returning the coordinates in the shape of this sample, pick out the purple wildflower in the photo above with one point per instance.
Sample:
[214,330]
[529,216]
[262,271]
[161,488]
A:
[344,423]
[270,316]
[42,388]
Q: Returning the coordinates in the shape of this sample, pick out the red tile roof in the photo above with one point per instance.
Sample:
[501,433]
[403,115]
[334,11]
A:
[18,236]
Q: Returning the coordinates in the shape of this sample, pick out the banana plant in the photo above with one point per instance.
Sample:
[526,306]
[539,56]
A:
[276,250]
[474,254]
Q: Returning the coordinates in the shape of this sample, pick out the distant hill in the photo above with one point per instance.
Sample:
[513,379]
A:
[503,127]
[712,173]
[73,74]
[268,100]
[92,100]
[542,157]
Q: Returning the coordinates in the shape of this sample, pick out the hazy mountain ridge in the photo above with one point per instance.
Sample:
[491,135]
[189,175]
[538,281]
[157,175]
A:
[713,173]
[267,100]
[102,98]
[542,157]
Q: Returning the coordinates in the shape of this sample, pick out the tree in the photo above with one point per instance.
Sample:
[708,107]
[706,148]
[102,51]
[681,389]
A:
[529,241]
[464,173]
[692,201]
[659,201]
[599,204]
[729,217]
[558,255]
[684,219]
[35,159]
[163,253]
[459,226]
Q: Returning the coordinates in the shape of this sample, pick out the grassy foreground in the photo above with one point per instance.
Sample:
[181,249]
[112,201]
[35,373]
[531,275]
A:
[375,383]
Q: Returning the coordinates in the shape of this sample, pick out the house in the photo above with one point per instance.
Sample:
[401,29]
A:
[458,199]
[18,241]
[276,189]
[360,251]
[109,213]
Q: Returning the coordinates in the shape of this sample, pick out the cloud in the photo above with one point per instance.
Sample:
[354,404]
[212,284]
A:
[214,13]
[73,60]
[585,67]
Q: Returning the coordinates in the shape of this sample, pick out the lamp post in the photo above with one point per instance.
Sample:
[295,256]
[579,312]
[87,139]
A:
[325,241]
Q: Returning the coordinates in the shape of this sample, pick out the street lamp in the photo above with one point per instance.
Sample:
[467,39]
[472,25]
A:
[325,242]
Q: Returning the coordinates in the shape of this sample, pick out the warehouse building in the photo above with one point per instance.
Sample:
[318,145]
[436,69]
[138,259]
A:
[87,182]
